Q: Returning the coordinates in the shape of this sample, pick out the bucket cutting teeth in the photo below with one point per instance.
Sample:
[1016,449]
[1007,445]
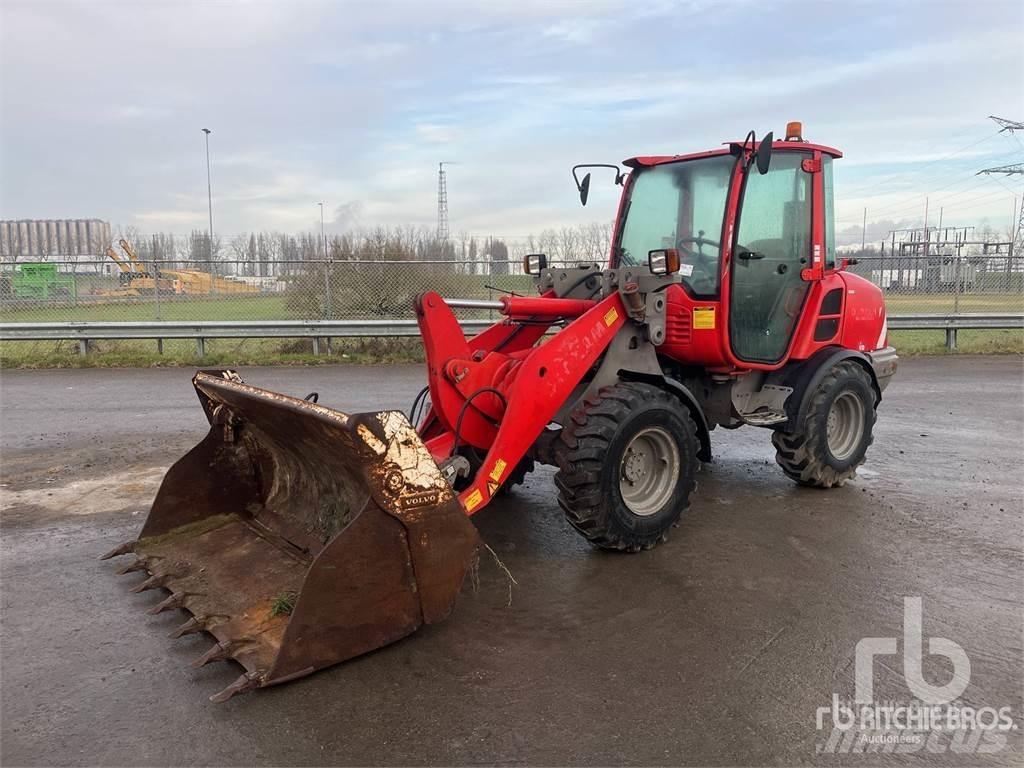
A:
[153,582]
[121,549]
[250,681]
[190,627]
[219,652]
[137,565]
[176,600]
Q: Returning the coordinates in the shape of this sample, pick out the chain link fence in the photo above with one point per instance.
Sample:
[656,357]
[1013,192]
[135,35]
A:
[946,284]
[83,291]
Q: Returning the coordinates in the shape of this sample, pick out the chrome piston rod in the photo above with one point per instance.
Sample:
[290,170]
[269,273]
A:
[474,303]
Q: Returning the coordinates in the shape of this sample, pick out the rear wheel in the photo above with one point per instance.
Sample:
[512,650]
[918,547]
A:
[627,462]
[833,437]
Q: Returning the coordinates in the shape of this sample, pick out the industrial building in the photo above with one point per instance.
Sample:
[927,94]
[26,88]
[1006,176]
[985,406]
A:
[42,239]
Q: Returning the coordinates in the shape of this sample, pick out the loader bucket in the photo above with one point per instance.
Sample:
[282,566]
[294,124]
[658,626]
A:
[299,536]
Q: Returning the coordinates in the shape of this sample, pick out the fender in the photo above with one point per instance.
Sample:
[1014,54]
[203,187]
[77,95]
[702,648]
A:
[688,399]
[626,359]
[805,376]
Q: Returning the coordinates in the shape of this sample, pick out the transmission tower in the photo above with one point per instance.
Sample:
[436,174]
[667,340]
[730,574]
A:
[1010,170]
[1006,125]
[442,202]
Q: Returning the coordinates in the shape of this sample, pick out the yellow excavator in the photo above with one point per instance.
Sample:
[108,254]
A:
[137,280]
[194,281]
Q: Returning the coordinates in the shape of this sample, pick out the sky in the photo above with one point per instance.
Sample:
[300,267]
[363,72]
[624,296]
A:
[354,104]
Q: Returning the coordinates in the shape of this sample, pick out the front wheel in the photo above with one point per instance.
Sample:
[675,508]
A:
[626,465]
[832,439]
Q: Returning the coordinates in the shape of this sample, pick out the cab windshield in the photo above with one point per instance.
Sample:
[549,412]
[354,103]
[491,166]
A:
[679,205]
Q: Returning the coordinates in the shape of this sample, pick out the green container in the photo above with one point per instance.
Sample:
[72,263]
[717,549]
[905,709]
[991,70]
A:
[41,281]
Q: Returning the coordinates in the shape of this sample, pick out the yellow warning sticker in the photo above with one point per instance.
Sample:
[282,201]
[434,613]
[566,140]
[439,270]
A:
[473,500]
[499,468]
[611,316]
[704,318]
[492,486]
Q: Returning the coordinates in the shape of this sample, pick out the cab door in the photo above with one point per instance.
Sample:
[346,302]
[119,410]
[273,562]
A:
[772,247]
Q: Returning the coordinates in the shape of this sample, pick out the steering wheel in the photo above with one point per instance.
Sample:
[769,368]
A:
[700,241]
[701,260]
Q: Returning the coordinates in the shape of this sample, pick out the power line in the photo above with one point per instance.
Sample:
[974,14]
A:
[957,182]
[895,210]
[927,163]
[916,200]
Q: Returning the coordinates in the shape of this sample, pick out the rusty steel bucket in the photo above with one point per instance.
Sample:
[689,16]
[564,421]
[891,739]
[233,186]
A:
[299,536]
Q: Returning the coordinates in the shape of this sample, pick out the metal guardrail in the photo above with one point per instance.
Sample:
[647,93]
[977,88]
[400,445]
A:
[953,323]
[969,320]
[200,330]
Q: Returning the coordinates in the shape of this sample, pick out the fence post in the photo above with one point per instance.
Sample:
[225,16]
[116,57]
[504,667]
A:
[155,266]
[951,338]
[201,346]
[316,346]
[156,294]
[328,274]
[83,347]
[490,279]
[956,297]
[327,288]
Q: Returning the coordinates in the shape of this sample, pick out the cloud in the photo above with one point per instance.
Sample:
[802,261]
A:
[576,31]
[355,104]
[434,133]
[164,218]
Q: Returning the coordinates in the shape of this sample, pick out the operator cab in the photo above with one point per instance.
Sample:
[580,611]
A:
[693,202]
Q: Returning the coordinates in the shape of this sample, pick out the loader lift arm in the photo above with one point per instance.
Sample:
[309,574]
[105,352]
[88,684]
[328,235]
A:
[503,400]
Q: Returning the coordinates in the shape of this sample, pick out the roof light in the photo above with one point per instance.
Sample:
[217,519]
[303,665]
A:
[794,131]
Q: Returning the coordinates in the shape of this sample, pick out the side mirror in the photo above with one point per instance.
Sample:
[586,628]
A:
[583,185]
[664,261]
[764,153]
[534,263]
[585,189]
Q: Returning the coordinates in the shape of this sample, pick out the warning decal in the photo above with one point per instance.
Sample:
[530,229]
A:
[704,318]
[473,500]
[491,487]
[611,316]
[498,469]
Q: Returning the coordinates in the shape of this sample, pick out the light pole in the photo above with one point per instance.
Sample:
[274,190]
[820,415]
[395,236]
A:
[209,195]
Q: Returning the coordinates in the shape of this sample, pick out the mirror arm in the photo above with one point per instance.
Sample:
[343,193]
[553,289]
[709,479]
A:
[619,174]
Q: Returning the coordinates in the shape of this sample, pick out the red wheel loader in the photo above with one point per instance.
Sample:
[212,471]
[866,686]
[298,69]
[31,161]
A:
[300,536]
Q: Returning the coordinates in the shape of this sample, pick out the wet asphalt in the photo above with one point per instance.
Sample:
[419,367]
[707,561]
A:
[714,649]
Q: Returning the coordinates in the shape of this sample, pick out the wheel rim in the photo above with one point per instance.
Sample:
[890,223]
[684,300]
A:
[649,471]
[845,425]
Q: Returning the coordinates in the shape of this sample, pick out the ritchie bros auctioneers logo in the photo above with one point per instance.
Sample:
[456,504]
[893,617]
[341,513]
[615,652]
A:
[933,721]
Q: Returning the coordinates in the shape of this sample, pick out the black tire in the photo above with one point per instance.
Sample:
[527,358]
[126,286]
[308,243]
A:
[590,452]
[805,454]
